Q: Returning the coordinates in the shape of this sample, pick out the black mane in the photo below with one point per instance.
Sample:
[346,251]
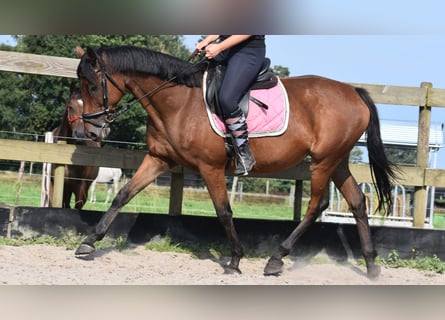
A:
[128,59]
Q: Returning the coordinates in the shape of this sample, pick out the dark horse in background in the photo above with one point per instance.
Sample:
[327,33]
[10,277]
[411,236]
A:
[326,119]
[77,178]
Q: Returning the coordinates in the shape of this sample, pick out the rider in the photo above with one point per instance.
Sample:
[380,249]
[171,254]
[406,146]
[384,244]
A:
[244,55]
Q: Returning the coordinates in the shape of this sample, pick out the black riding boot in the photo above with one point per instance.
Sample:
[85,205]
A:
[237,126]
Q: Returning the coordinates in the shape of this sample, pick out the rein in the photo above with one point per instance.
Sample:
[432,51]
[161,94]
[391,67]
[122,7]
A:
[111,115]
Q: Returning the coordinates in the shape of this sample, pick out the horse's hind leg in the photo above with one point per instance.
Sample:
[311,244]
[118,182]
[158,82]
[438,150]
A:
[318,203]
[356,200]
[147,172]
[109,191]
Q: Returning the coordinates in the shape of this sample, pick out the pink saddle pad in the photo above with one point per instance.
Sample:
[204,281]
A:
[260,121]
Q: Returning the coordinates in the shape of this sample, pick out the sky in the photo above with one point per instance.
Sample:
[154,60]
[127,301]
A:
[388,59]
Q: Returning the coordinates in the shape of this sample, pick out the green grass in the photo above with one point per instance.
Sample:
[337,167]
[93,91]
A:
[153,199]
[439,221]
[69,240]
[428,264]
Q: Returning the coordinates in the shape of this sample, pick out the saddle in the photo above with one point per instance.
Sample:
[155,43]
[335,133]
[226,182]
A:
[266,79]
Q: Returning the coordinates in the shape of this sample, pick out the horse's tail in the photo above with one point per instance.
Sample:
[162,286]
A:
[383,171]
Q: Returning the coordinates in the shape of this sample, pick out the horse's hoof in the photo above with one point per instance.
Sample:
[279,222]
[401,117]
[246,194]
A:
[274,267]
[84,249]
[228,269]
[373,272]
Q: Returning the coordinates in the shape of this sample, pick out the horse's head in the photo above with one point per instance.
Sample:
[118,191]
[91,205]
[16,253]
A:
[74,111]
[100,93]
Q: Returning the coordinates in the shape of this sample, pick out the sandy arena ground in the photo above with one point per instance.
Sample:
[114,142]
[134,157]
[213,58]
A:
[50,265]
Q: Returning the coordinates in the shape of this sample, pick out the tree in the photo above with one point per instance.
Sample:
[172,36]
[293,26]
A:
[356,155]
[280,71]
[402,156]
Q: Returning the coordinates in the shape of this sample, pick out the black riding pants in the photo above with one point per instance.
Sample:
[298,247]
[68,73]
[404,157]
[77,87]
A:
[243,66]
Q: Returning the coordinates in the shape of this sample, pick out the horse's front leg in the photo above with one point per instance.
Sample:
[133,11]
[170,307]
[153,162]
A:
[216,185]
[93,192]
[109,191]
[147,172]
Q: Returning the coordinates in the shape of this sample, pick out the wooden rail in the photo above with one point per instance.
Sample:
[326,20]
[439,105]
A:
[424,97]
[38,64]
[130,159]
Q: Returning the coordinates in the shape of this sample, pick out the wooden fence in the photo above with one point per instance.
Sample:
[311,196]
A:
[423,97]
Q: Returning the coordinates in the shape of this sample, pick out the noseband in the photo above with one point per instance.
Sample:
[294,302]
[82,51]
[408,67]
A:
[71,119]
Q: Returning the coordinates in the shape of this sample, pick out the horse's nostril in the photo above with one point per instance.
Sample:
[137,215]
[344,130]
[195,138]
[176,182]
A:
[92,136]
[79,134]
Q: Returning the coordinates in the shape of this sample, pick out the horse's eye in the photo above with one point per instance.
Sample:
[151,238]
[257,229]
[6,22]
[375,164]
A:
[92,89]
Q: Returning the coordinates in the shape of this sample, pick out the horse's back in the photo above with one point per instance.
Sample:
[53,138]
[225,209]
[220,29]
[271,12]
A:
[325,114]
[326,102]
[106,174]
[320,87]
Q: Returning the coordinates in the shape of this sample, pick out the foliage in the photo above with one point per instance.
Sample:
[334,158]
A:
[163,244]
[356,155]
[433,264]
[121,243]
[68,240]
[258,185]
[282,72]
[402,156]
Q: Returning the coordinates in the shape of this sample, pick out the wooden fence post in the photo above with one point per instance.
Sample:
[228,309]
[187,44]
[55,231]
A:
[176,193]
[240,192]
[420,193]
[46,175]
[19,190]
[59,178]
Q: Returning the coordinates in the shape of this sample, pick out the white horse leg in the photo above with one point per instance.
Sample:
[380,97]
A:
[109,186]
[116,186]
[93,192]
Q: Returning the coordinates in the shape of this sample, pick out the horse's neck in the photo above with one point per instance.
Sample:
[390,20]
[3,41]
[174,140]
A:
[153,92]
[140,92]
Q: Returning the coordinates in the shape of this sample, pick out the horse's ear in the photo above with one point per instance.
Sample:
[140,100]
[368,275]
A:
[91,56]
[79,52]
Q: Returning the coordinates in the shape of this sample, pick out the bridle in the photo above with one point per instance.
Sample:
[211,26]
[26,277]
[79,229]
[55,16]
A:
[111,115]
[71,119]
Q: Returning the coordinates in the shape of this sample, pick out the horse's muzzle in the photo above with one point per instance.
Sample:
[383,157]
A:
[97,134]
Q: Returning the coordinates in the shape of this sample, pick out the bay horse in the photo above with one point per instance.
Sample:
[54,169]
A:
[77,178]
[111,177]
[326,119]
